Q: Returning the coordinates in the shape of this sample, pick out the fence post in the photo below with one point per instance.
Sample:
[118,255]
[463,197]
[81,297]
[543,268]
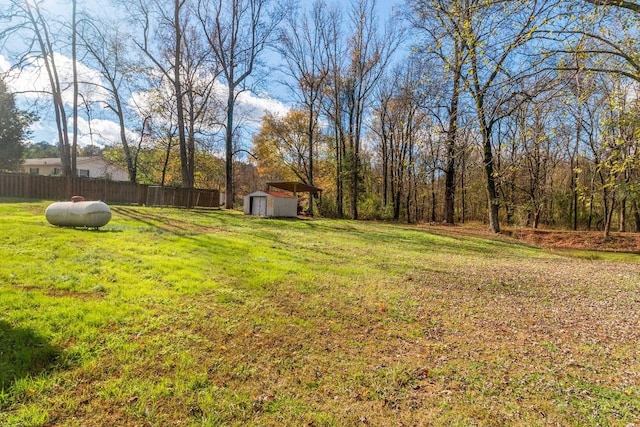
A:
[68,185]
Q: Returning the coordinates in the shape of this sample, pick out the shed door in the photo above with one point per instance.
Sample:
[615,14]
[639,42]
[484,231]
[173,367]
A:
[259,206]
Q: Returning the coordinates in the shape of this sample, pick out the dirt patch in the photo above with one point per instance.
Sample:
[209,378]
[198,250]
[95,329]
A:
[553,239]
[581,240]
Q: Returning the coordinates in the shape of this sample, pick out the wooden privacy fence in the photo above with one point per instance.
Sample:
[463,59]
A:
[26,186]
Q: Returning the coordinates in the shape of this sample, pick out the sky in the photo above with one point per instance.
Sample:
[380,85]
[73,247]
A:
[32,81]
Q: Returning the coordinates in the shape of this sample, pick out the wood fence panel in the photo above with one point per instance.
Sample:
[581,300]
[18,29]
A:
[28,186]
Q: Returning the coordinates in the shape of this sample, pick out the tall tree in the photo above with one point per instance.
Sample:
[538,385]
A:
[399,124]
[238,32]
[31,17]
[332,105]
[74,66]
[357,65]
[605,42]
[440,24]
[109,51]
[493,33]
[304,43]
[166,23]
[202,106]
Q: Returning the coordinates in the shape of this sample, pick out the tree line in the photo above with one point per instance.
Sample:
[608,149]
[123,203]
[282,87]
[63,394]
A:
[517,112]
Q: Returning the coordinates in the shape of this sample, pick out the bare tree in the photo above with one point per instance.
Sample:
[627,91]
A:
[304,43]
[238,32]
[333,100]
[440,24]
[162,42]
[110,53]
[74,66]
[493,33]
[31,17]
[357,66]
[399,124]
[629,5]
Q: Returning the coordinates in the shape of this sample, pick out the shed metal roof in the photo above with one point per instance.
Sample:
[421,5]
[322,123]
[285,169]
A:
[279,194]
[294,187]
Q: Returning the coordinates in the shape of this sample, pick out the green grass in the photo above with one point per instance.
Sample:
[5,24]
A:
[210,318]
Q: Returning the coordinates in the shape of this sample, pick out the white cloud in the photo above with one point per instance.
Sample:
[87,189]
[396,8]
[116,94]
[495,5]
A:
[254,107]
[44,130]
[100,132]
[33,81]
[249,108]
[4,64]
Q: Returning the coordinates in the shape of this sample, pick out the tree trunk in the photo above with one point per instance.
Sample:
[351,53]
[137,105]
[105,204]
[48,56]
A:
[187,178]
[166,161]
[131,165]
[74,67]
[433,196]
[574,191]
[450,169]
[574,175]
[636,216]
[492,194]
[385,161]
[463,188]
[48,57]
[310,177]
[408,205]
[191,141]
[536,218]
[355,178]
[229,151]
[339,164]
[608,212]
[450,180]
[590,218]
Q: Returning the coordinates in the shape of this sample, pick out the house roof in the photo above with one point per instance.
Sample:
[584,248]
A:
[294,187]
[49,161]
[55,161]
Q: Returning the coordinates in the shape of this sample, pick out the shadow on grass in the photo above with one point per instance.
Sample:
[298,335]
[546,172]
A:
[23,353]
[407,237]
[169,223]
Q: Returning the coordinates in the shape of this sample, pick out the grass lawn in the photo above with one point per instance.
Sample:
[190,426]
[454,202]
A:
[210,318]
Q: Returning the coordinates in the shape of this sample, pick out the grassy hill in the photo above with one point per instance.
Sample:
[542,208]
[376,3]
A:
[200,318]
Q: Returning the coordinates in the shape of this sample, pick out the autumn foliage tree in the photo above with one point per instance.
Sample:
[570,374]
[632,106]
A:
[281,147]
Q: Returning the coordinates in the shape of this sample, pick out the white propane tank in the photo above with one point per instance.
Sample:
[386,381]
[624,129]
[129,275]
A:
[78,214]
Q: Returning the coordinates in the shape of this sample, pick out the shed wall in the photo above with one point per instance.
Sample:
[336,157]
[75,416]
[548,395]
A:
[275,206]
[284,207]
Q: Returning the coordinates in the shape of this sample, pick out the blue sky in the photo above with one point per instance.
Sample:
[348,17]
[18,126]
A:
[45,130]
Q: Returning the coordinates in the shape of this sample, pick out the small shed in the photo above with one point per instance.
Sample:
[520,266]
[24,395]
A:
[271,204]
[298,187]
